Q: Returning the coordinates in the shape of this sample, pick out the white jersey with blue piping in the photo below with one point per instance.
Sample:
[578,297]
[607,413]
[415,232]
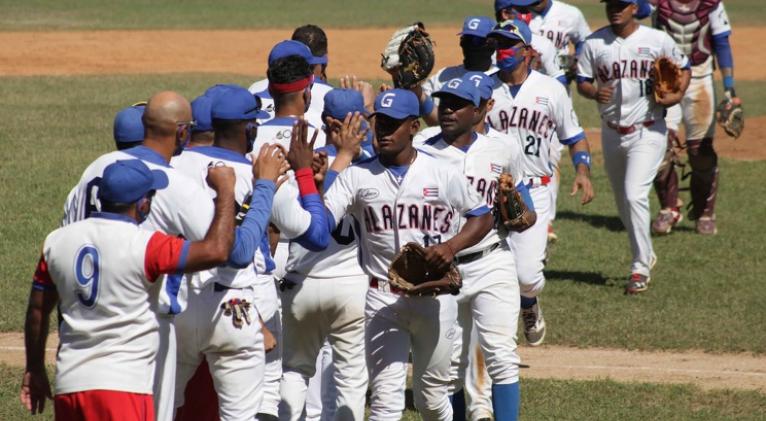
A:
[182,208]
[562,24]
[422,203]
[278,131]
[537,112]
[625,64]
[481,162]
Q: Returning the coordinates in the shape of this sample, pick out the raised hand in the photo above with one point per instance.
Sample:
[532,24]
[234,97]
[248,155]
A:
[220,177]
[301,154]
[271,163]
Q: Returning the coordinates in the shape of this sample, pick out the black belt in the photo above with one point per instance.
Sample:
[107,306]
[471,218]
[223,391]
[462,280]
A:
[468,258]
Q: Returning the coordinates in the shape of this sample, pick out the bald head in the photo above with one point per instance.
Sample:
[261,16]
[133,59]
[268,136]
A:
[163,111]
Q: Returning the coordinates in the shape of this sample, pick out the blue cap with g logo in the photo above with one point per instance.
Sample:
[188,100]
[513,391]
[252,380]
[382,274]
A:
[479,26]
[485,84]
[461,89]
[398,104]
[128,180]
[128,127]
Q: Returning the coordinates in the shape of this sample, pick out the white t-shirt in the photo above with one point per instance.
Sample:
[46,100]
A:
[625,64]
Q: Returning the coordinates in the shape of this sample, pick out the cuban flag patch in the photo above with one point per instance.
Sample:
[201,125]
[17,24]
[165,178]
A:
[430,192]
[644,51]
[495,168]
[541,100]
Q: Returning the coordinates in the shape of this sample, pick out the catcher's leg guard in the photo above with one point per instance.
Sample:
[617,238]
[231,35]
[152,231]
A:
[666,181]
[704,177]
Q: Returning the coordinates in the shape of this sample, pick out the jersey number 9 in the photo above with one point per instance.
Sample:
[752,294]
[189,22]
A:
[87,268]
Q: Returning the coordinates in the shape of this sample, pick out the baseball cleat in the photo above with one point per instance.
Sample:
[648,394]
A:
[705,225]
[552,237]
[534,324]
[666,220]
[637,283]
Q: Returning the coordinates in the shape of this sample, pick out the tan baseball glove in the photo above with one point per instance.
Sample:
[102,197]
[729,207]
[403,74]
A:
[667,77]
[410,273]
[510,210]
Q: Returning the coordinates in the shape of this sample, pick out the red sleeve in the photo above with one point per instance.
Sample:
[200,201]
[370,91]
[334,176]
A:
[164,254]
[42,279]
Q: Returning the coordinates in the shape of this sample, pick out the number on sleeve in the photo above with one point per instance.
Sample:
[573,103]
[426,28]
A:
[87,269]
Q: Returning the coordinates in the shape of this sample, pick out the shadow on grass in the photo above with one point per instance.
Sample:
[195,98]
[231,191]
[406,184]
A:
[611,222]
[593,278]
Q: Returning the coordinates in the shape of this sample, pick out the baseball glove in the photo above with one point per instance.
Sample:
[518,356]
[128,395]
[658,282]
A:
[409,56]
[510,210]
[731,115]
[410,273]
[667,77]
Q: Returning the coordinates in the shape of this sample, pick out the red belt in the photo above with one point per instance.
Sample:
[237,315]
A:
[538,181]
[376,283]
[628,129]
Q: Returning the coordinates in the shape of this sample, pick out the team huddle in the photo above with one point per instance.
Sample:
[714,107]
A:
[245,255]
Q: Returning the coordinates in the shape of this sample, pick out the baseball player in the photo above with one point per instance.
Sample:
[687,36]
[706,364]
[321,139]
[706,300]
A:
[490,294]
[563,25]
[399,197]
[312,312]
[700,32]
[316,40]
[241,396]
[614,70]
[101,271]
[180,209]
[127,129]
[537,109]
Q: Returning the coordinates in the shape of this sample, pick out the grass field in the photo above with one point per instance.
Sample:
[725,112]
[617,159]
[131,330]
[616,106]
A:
[549,400]
[143,14]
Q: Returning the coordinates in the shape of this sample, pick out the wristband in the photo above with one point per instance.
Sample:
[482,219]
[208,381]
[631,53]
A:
[581,158]
[305,178]
[728,83]
[426,106]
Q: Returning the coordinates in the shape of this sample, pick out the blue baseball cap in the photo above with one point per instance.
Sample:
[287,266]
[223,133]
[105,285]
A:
[479,26]
[513,29]
[128,180]
[339,102]
[507,4]
[485,84]
[236,103]
[461,88]
[290,48]
[128,127]
[216,90]
[201,113]
[397,104]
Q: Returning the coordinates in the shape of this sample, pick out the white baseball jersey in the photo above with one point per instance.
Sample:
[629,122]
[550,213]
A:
[182,208]
[537,112]
[424,206]
[103,268]
[313,115]
[482,163]
[549,56]
[562,24]
[278,131]
[444,75]
[339,259]
[194,163]
[626,64]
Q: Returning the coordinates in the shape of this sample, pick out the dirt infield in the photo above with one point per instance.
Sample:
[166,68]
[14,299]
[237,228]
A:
[355,51]
[708,371]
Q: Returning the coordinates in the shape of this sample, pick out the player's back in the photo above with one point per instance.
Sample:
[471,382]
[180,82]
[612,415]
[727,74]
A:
[318,90]
[278,131]
[108,332]
[562,24]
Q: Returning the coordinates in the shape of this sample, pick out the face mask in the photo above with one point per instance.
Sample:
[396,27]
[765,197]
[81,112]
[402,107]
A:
[183,136]
[477,53]
[509,58]
[251,132]
[141,215]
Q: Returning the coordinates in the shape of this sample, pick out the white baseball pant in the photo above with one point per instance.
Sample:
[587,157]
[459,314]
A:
[478,384]
[321,394]
[267,303]
[528,247]
[488,303]
[234,355]
[696,110]
[394,325]
[315,310]
[165,369]
[631,163]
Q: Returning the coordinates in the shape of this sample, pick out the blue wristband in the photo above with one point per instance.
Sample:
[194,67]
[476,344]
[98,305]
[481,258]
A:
[581,158]
[728,82]
[426,106]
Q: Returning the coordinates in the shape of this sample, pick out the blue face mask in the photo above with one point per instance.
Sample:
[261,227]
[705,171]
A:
[509,59]
[141,215]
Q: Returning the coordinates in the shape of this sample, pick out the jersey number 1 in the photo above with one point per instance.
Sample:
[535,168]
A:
[533,146]
[646,87]
[87,268]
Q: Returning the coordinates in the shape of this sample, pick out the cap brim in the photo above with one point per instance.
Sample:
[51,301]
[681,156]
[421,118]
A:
[393,114]
[461,95]
[318,60]
[160,180]
[260,115]
[474,33]
[507,35]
